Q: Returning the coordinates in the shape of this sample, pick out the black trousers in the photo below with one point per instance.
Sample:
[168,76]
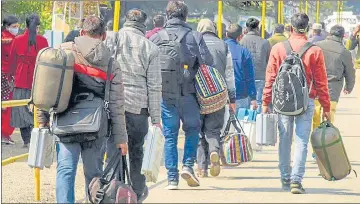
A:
[209,142]
[26,134]
[137,126]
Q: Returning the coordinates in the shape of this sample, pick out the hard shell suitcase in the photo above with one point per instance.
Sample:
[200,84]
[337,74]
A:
[42,148]
[154,148]
[246,114]
[250,131]
[266,129]
[53,79]
[330,152]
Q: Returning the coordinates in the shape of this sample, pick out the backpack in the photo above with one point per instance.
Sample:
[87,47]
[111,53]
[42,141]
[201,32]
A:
[290,92]
[173,59]
[211,89]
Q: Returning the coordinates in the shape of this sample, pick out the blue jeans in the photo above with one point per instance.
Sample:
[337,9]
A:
[67,161]
[188,112]
[303,124]
[259,84]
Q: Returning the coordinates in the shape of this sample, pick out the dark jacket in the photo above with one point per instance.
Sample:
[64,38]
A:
[72,35]
[339,66]
[317,38]
[93,53]
[244,70]
[173,26]
[260,51]
[276,38]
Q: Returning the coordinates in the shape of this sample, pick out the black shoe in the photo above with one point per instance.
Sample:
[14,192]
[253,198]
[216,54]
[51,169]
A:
[297,188]
[144,195]
[189,176]
[285,184]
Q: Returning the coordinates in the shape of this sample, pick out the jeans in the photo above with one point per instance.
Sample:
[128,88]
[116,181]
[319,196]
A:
[259,84]
[137,127]
[211,125]
[318,113]
[302,133]
[67,161]
[188,111]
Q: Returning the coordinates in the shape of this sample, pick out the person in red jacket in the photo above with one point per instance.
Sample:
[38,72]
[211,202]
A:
[23,53]
[314,65]
[159,22]
[9,30]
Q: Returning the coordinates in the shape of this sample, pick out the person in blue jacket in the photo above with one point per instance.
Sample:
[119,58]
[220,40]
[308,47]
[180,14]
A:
[243,69]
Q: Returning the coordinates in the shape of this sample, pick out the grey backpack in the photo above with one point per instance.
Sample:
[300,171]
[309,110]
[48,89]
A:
[290,92]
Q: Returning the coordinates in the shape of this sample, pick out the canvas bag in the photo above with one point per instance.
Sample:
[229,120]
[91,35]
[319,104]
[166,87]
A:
[87,119]
[107,188]
[290,92]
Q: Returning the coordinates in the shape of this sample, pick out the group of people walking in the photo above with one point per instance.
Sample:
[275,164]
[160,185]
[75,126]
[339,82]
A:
[148,83]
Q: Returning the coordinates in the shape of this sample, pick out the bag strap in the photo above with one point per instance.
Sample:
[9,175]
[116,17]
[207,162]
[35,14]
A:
[235,122]
[180,34]
[288,47]
[304,48]
[124,171]
[111,168]
[164,35]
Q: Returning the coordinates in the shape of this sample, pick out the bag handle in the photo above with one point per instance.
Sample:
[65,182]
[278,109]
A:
[235,122]
[107,82]
[124,171]
[111,168]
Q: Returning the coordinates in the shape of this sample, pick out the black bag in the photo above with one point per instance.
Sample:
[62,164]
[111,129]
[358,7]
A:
[86,119]
[108,189]
[290,92]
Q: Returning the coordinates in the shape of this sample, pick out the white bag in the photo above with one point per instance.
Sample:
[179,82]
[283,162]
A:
[250,132]
[266,129]
[42,148]
[153,153]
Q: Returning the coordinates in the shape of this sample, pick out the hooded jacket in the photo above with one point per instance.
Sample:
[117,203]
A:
[93,53]
[220,54]
[339,66]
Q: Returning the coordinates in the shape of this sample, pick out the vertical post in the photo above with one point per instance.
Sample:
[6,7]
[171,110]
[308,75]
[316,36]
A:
[282,13]
[36,170]
[317,11]
[263,15]
[116,15]
[338,11]
[307,7]
[219,20]
[279,12]
[301,6]
[341,12]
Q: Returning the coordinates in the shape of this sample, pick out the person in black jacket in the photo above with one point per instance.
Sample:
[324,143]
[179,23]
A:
[74,33]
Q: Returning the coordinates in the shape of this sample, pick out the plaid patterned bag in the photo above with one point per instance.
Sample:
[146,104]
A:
[211,89]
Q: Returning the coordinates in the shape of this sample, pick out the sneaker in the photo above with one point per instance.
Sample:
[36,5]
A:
[172,185]
[189,176]
[144,195]
[7,141]
[297,188]
[285,184]
[215,164]
[202,173]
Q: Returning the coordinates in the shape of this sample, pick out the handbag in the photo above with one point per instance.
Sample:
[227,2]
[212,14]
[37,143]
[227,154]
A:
[108,189]
[235,146]
[84,119]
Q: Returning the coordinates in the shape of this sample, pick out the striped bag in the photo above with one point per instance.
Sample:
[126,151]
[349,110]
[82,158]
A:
[211,89]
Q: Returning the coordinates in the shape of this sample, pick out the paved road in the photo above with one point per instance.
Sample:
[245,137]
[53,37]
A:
[256,181]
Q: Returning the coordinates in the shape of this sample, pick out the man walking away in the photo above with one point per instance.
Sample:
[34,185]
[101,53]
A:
[339,66]
[158,22]
[89,51]
[316,36]
[324,33]
[179,97]
[260,50]
[212,123]
[243,68]
[140,65]
[111,37]
[278,35]
[314,66]
[355,42]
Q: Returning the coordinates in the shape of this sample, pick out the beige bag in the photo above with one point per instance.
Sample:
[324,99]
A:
[329,149]
[53,79]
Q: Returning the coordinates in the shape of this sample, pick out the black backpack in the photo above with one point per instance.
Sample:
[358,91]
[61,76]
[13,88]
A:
[290,92]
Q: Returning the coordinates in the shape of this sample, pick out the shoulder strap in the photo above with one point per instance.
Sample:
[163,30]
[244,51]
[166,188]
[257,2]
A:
[304,48]
[164,35]
[107,82]
[181,33]
[288,47]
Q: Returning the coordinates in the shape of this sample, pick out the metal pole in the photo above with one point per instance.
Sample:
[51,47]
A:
[117,15]
[282,13]
[36,170]
[317,11]
[219,20]
[307,7]
[279,12]
[341,10]
[338,11]
[263,15]
[301,6]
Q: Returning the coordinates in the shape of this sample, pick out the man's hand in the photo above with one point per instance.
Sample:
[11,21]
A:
[158,125]
[356,30]
[123,148]
[346,92]
[254,104]
[265,109]
[233,107]
[327,116]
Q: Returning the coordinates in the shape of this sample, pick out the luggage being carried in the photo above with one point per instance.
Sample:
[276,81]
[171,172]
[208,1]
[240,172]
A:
[290,91]
[153,152]
[53,79]
[42,148]
[266,129]
[235,146]
[88,117]
[330,152]
[211,89]
[108,189]
[247,119]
